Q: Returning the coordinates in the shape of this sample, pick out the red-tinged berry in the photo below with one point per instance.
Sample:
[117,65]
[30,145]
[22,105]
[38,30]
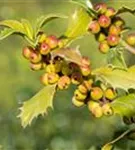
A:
[94,27]
[76,78]
[100,7]
[104,47]
[113,40]
[104,21]
[107,110]
[96,93]
[36,67]
[35,57]
[85,70]
[53,78]
[45,48]
[110,12]
[52,41]
[74,67]
[88,84]
[64,82]
[131,39]
[82,88]
[27,52]
[115,30]
[85,61]
[101,37]
[77,103]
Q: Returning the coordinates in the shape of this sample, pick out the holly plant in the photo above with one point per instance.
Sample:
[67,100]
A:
[98,89]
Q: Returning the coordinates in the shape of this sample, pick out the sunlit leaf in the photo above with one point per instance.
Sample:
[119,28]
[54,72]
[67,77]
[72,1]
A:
[125,105]
[6,32]
[107,147]
[28,28]
[117,78]
[69,54]
[13,24]
[78,24]
[124,9]
[37,105]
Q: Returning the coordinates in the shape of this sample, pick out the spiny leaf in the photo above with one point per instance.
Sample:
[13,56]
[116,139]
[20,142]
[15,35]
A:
[117,78]
[69,54]
[13,24]
[124,106]
[107,147]
[6,32]
[37,105]
[28,28]
[78,24]
[125,9]
[45,19]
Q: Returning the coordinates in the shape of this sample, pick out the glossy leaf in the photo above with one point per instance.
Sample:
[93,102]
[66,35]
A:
[6,32]
[37,105]
[69,54]
[125,9]
[13,24]
[78,24]
[117,78]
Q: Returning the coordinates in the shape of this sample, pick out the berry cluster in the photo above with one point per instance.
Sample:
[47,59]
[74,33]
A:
[95,97]
[106,27]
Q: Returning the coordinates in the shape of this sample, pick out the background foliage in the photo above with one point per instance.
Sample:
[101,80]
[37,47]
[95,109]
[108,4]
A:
[66,127]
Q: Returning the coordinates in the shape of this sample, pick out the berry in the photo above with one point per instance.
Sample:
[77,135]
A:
[131,39]
[119,22]
[58,66]
[94,27]
[35,57]
[113,40]
[107,110]
[96,93]
[88,84]
[85,70]
[109,94]
[36,67]
[44,49]
[44,79]
[100,7]
[115,30]
[52,78]
[101,37]
[110,12]
[85,61]
[27,52]
[79,96]
[77,103]
[42,38]
[50,68]
[64,82]
[52,41]
[82,89]
[66,69]
[73,67]
[104,47]
[76,78]
[104,21]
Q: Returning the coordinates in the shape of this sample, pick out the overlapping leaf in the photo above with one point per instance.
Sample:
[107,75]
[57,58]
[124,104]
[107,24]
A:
[125,9]
[6,32]
[37,105]
[117,78]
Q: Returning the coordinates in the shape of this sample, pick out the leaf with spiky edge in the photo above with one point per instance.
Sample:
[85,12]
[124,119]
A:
[6,32]
[125,9]
[116,77]
[37,105]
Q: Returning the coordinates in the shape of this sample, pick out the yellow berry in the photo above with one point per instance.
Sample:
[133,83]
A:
[107,110]
[96,93]
[77,103]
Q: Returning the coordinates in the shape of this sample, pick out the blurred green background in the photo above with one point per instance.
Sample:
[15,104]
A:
[67,127]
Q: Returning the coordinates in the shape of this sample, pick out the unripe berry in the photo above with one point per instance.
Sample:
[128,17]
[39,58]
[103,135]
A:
[104,47]
[74,67]
[52,41]
[76,78]
[100,8]
[44,49]
[52,78]
[42,38]
[66,69]
[79,96]
[104,21]
[107,110]
[101,37]
[85,70]
[88,84]
[119,22]
[85,61]
[61,43]
[115,30]
[44,79]
[110,12]
[131,39]
[96,93]
[77,103]
[110,94]
[58,66]
[64,82]
[50,68]
[94,27]
[113,40]
[92,105]
[27,52]
[36,67]
[82,89]
[35,57]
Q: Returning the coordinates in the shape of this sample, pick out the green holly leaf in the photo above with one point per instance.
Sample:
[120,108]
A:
[13,24]
[6,32]
[116,77]
[107,147]
[37,105]
[124,106]
[69,54]
[78,24]
[28,28]
[125,9]
[41,21]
